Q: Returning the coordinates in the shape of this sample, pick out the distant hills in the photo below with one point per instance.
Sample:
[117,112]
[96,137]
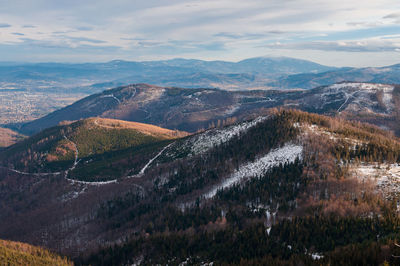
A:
[173,108]
[256,65]
[169,107]
[387,75]
[194,109]
[252,73]
[94,77]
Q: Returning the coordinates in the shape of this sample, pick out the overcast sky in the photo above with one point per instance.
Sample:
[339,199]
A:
[331,32]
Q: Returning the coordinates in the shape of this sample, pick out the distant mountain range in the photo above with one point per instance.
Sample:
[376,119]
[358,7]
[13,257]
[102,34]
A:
[253,73]
[387,75]
[94,77]
[194,109]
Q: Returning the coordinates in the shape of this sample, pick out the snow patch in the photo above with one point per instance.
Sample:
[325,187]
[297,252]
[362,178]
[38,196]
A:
[73,194]
[358,96]
[232,110]
[320,131]
[362,86]
[316,256]
[99,183]
[386,176]
[286,154]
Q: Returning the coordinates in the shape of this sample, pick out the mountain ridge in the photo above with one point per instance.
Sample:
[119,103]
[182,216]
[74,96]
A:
[194,109]
[88,77]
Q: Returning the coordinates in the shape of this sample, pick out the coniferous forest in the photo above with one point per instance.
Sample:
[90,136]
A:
[304,212]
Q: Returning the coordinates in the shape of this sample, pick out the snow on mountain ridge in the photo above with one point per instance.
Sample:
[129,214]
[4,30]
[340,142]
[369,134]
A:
[207,140]
[359,96]
[362,86]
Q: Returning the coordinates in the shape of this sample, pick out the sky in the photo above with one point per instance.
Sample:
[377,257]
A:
[355,33]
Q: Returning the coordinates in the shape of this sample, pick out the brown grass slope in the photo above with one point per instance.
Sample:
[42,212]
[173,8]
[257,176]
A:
[17,253]
[8,137]
[146,129]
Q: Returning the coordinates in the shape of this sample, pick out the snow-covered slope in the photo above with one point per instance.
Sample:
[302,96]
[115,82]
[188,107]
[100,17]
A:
[354,97]
[386,177]
[361,86]
[201,143]
[286,154]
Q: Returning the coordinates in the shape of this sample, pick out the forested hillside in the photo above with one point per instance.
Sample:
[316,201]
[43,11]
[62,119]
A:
[305,210]
[285,188]
[57,148]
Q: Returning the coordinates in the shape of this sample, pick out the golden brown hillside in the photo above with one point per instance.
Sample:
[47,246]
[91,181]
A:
[147,129]
[17,253]
[8,137]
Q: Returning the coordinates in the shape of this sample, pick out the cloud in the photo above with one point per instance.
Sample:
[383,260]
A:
[149,43]
[18,33]
[364,24]
[84,39]
[369,45]
[65,42]
[83,28]
[392,16]
[4,25]
[247,36]
[201,28]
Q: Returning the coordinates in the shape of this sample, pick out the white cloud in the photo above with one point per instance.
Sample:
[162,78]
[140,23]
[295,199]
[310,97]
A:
[364,45]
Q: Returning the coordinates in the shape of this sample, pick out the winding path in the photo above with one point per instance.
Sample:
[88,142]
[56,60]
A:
[348,95]
[111,96]
[94,183]
[151,160]
[26,173]
[73,181]
[141,172]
